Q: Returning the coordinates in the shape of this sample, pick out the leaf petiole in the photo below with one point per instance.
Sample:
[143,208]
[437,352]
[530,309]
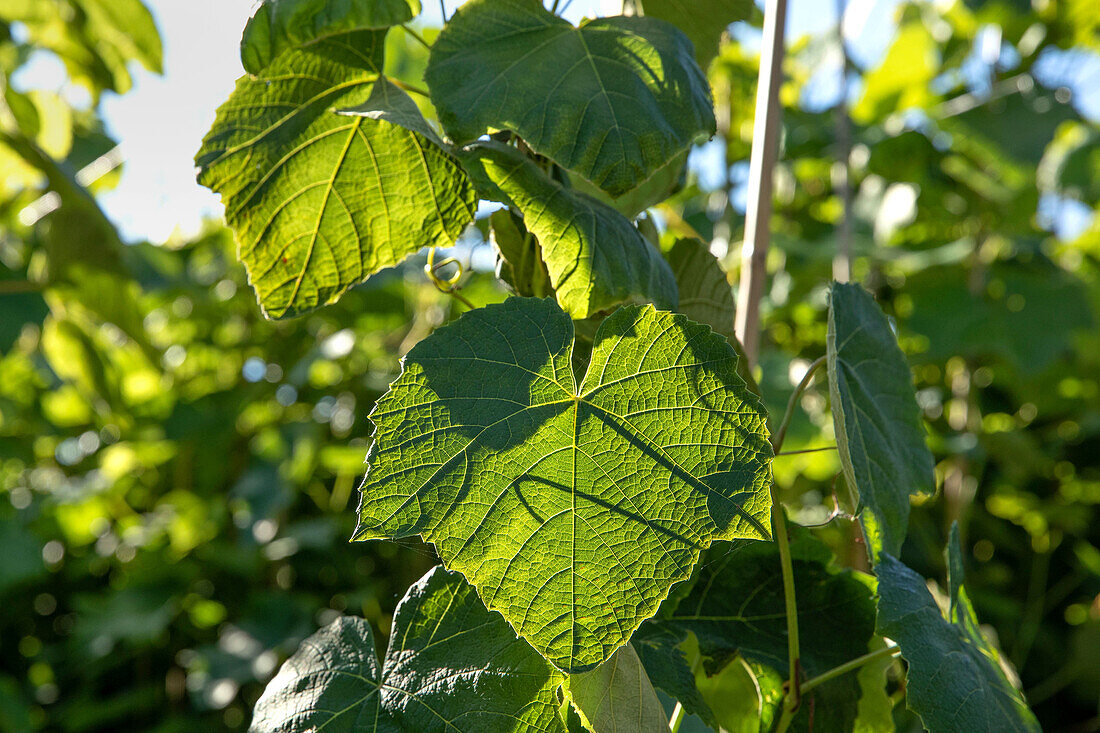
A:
[416,36]
[890,651]
[781,433]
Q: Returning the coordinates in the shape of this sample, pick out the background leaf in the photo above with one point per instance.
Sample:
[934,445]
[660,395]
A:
[617,696]
[544,492]
[736,607]
[703,21]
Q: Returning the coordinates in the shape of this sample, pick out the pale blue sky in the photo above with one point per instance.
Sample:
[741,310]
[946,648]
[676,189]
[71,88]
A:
[161,122]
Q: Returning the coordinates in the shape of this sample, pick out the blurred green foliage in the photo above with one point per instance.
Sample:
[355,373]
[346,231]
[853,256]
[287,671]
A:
[177,473]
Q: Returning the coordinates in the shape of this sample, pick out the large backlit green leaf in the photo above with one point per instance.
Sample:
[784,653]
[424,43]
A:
[954,682]
[617,697]
[320,201]
[572,505]
[279,25]
[704,21]
[451,666]
[595,257]
[736,607]
[613,100]
[879,433]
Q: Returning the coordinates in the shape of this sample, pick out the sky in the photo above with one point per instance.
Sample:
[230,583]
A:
[160,123]
[162,120]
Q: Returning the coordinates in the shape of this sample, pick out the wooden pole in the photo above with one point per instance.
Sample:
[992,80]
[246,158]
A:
[765,150]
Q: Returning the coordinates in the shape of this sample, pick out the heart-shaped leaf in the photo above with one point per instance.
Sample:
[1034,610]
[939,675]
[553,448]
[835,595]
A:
[595,257]
[613,100]
[878,429]
[320,201]
[572,505]
[451,665]
[280,25]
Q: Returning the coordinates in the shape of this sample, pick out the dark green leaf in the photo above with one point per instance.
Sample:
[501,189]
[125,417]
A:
[321,201]
[668,669]
[451,666]
[613,100]
[22,554]
[280,25]
[954,682]
[595,257]
[573,507]
[879,432]
[737,607]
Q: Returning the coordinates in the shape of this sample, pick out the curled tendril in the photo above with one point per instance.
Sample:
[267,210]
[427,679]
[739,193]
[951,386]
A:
[449,285]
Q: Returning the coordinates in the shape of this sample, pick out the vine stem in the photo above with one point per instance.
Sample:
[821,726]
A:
[417,36]
[412,88]
[781,433]
[889,651]
[13,287]
[765,150]
[793,698]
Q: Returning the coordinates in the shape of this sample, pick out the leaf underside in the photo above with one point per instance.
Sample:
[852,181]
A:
[320,201]
[613,100]
[573,508]
[617,696]
[879,432]
[451,665]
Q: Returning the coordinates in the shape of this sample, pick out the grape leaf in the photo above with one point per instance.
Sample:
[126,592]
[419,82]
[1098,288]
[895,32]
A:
[954,680]
[320,201]
[595,257]
[280,25]
[879,433]
[451,665]
[703,21]
[617,697]
[573,507]
[737,608]
[613,100]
